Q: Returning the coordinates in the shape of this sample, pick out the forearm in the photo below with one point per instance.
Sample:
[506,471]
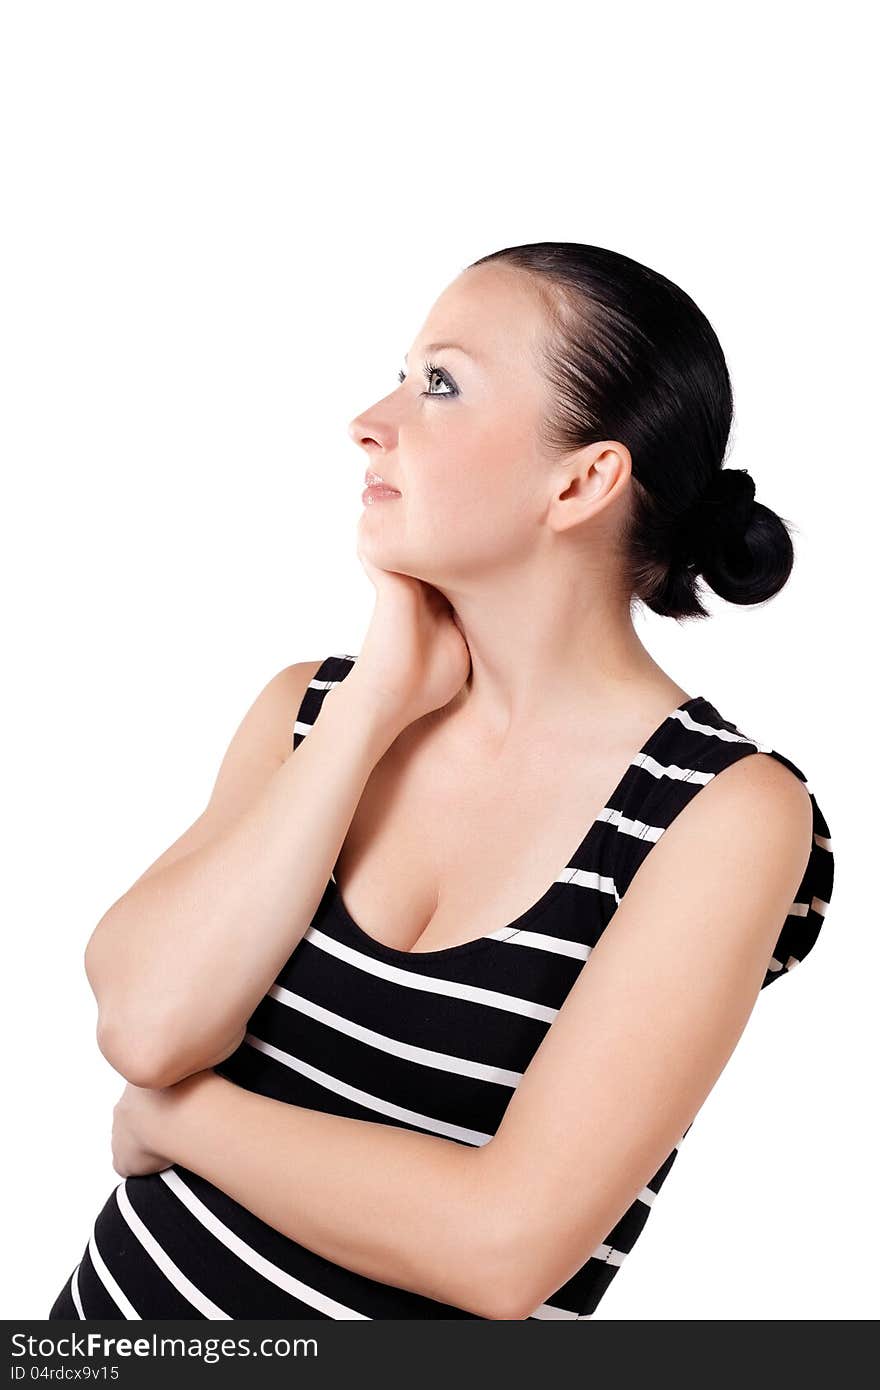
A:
[407,1209]
[181,961]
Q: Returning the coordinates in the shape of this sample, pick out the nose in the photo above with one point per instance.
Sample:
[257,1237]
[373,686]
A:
[373,432]
[358,431]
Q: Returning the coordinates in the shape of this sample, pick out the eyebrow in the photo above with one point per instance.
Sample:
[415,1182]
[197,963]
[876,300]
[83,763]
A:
[438,347]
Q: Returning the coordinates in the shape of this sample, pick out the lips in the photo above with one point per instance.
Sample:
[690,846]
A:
[376,480]
[372,479]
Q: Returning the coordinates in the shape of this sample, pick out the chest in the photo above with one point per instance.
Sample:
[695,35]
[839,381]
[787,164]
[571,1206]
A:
[446,846]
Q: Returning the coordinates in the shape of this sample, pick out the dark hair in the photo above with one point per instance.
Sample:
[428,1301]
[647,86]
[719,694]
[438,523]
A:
[630,357]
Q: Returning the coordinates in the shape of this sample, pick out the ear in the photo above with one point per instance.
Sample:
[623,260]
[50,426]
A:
[587,481]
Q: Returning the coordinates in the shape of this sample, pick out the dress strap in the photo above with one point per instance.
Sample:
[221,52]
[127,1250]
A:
[331,671]
[694,749]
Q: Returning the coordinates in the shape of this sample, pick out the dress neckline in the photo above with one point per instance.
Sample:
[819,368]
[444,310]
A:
[540,906]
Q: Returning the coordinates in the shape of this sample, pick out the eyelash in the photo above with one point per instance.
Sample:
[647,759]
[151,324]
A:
[431,369]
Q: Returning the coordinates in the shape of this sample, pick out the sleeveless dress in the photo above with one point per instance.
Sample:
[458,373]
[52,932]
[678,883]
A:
[435,1041]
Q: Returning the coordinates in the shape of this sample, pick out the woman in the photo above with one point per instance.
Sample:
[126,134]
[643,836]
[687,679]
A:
[368,1075]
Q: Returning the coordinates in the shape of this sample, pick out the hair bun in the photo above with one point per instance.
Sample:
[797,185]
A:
[719,517]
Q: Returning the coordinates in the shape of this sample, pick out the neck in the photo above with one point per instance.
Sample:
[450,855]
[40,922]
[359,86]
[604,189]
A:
[544,654]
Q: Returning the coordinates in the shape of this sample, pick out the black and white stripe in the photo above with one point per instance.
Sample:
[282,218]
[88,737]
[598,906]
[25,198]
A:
[436,1042]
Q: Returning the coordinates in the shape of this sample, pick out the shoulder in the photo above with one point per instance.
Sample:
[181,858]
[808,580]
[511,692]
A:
[734,815]
[277,704]
[758,797]
[283,710]
[704,764]
[265,730]
[750,787]
[285,686]
[749,833]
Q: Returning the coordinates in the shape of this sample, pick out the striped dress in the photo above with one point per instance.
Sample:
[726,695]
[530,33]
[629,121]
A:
[434,1041]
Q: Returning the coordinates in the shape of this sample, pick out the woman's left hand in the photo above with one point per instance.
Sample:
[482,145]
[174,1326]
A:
[142,1125]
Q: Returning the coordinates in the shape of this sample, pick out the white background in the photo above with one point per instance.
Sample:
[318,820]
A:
[223,226]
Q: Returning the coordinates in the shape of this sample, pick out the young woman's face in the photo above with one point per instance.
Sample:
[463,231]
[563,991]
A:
[459,436]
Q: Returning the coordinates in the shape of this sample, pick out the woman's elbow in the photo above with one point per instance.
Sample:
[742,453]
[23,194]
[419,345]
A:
[153,1055]
[500,1276]
[132,1053]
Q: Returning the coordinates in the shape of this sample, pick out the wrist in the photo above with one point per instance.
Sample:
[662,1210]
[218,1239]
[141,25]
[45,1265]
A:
[359,706]
[176,1111]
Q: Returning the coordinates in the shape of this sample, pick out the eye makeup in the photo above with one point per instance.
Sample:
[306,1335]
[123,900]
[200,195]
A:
[430,370]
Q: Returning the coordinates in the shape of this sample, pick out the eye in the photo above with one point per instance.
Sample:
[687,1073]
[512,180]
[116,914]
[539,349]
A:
[431,370]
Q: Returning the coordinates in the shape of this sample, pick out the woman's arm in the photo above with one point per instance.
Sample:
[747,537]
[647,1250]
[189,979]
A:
[181,961]
[408,1209]
[636,1047]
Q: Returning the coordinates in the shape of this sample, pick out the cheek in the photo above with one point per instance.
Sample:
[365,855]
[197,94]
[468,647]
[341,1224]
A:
[472,519]
[460,492]
[468,504]
[475,484]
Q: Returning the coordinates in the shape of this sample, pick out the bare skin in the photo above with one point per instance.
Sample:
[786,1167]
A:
[498,695]
[448,842]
